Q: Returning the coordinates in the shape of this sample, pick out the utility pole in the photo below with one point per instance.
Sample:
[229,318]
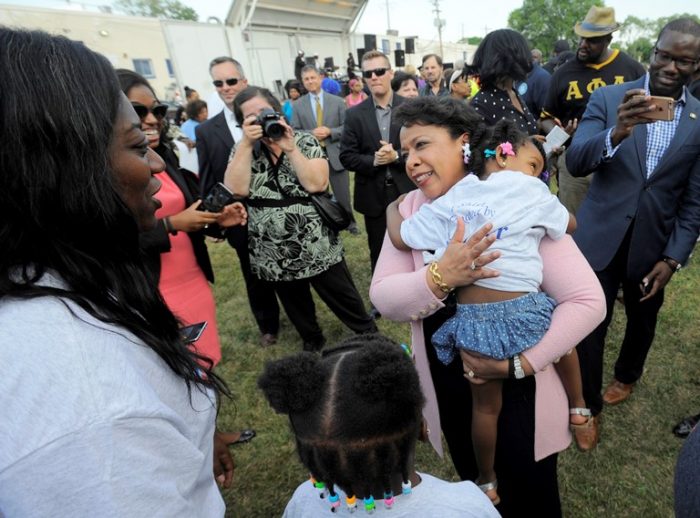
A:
[388,20]
[439,23]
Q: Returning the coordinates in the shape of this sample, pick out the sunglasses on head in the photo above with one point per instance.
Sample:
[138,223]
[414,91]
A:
[159,110]
[231,81]
[379,72]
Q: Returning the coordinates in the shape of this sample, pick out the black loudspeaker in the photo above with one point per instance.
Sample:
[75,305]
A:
[360,53]
[399,58]
[328,63]
[410,45]
[370,42]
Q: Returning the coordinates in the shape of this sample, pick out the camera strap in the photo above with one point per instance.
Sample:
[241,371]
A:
[288,200]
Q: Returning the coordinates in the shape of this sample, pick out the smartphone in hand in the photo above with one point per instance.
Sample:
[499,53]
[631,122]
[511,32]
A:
[217,198]
[664,107]
[191,334]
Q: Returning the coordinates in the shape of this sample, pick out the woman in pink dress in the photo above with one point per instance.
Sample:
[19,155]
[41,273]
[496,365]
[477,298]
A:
[175,249]
[356,95]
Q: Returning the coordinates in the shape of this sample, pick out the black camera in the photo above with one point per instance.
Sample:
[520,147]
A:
[272,128]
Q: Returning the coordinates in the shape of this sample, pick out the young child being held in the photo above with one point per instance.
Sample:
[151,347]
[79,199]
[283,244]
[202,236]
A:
[356,414]
[502,316]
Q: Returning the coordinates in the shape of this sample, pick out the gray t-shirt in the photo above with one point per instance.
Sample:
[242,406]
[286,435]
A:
[94,423]
[432,497]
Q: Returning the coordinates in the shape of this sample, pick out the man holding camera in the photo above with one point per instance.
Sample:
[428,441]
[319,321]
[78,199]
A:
[323,115]
[215,139]
[641,218]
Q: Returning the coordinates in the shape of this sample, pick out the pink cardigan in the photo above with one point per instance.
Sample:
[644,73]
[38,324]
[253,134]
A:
[400,292]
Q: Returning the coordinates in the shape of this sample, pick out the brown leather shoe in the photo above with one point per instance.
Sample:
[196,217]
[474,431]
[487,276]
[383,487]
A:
[586,435]
[268,339]
[617,392]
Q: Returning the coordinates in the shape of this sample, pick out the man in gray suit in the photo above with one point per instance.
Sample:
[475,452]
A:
[323,115]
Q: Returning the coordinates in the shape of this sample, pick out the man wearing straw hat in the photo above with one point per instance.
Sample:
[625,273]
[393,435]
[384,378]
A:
[573,83]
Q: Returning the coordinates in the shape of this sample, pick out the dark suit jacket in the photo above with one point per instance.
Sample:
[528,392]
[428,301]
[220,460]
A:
[358,143]
[214,144]
[665,207]
[157,241]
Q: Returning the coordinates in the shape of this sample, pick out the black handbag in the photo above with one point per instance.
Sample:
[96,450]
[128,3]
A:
[332,213]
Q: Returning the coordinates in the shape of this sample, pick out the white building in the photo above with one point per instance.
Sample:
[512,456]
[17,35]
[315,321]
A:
[264,36]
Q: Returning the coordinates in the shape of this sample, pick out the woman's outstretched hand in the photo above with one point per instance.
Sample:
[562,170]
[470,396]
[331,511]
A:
[191,219]
[463,263]
[233,214]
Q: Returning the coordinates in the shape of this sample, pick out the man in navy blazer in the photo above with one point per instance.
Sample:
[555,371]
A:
[215,139]
[641,217]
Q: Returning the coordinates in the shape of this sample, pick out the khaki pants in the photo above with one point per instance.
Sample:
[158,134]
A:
[572,191]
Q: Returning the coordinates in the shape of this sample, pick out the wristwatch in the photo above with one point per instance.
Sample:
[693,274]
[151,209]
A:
[518,371]
[673,264]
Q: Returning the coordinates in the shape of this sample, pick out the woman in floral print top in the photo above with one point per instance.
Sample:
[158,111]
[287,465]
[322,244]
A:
[288,242]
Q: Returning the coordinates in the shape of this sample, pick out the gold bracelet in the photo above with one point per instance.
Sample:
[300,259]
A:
[437,279]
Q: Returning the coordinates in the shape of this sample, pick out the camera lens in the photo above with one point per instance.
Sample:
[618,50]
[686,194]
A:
[273,129]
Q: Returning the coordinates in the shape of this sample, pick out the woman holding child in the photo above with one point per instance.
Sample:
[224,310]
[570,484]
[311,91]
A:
[532,424]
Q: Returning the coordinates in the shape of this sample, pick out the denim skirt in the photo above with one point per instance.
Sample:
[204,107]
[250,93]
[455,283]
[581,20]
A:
[497,330]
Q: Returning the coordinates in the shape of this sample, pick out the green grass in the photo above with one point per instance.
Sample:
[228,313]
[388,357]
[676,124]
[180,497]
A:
[630,473]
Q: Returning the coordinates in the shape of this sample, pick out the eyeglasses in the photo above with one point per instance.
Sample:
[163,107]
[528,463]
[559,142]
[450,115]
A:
[231,81]
[159,110]
[664,58]
[379,72]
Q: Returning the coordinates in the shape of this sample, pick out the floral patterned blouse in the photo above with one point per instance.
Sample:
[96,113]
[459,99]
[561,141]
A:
[287,242]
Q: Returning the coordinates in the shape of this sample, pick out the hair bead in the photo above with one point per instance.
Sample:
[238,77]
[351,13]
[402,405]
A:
[388,499]
[334,500]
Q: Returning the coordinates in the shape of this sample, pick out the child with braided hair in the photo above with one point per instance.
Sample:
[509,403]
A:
[502,316]
[355,413]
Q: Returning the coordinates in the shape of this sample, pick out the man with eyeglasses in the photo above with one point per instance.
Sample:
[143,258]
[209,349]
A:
[641,218]
[369,146]
[215,139]
[571,86]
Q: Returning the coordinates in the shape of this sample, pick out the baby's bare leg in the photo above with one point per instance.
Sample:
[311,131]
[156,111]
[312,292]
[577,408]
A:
[570,373]
[486,407]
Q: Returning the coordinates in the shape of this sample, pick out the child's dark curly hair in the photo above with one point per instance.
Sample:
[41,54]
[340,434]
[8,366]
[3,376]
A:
[355,412]
[503,131]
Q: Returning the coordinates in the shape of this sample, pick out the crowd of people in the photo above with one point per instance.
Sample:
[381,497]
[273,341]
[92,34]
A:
[509,289]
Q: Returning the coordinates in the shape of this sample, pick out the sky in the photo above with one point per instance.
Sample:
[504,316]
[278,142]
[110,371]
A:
[416,17]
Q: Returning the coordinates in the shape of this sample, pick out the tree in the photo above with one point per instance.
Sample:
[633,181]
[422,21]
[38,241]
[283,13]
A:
[170,9]
[641,33]
[543,22]
[471,40]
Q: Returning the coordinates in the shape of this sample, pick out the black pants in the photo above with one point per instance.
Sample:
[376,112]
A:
[525,486]
[639,332]
[337,289]
[376,225]
[261,294]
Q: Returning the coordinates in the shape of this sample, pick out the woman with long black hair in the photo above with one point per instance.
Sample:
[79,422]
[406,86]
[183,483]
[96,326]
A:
[103,408]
